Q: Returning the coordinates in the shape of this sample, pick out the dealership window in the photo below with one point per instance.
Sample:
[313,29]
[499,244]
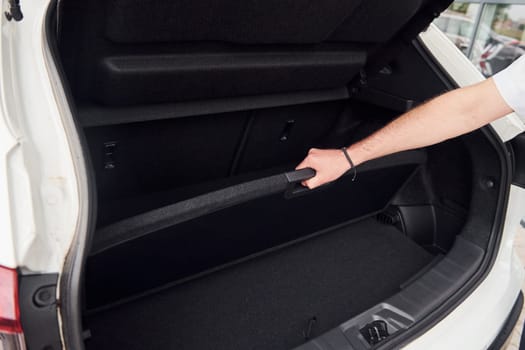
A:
[490,34]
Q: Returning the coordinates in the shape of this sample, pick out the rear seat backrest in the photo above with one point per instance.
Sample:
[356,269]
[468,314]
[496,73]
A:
[235,21]
[256,21]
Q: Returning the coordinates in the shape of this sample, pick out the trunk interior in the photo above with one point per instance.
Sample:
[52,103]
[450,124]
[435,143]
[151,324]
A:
[195,116]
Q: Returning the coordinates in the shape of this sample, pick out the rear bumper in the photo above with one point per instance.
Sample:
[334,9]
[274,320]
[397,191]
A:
[478,320]
[481,320]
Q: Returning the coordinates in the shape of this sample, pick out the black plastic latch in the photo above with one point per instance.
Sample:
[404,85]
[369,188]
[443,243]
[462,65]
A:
[295,178]
[375,332]
[299,175]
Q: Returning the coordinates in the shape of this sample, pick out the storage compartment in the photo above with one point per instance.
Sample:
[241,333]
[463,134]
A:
[204,241]
[194,250]
[243,251]
[204,233]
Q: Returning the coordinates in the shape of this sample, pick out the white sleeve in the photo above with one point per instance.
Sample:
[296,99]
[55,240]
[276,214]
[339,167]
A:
[511,85]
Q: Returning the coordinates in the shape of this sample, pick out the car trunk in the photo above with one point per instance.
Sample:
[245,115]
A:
[195,116]
[243,252]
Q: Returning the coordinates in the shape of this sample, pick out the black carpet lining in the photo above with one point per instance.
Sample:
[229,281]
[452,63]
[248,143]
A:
[268,302]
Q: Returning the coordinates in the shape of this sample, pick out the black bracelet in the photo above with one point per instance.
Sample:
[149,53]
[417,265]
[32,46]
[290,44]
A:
[352,166]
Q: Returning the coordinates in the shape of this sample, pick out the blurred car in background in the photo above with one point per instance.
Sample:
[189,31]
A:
[499,53]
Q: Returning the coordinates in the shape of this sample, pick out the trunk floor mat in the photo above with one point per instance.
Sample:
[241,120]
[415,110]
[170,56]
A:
[269,302]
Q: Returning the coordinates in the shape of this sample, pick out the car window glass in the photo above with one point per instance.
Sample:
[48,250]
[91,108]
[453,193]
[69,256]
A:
[491,35]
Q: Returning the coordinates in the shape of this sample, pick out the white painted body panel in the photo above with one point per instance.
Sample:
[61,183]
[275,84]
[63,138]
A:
[476,322]
[38,217]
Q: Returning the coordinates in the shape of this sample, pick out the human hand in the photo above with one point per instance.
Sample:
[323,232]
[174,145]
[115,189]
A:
[329,164]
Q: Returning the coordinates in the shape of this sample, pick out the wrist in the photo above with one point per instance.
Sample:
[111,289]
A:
[350,163]
[355,153]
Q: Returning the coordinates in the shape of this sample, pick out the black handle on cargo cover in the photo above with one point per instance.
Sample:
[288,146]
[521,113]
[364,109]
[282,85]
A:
[294,179]
[299,175]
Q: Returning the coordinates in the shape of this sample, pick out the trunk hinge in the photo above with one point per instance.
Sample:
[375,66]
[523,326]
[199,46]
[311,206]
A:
[15,12]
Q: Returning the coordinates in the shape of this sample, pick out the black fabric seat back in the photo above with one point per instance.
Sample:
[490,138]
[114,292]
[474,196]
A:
[238,21]
[136,52]
[256,22]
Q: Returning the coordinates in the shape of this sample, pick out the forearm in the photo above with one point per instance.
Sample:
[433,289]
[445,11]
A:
[450,115]
[447,116]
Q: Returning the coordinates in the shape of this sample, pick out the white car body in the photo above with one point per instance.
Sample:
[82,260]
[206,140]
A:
[43,184]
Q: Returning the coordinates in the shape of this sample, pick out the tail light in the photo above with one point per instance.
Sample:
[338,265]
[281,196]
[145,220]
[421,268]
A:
[9,311]
[11,336]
